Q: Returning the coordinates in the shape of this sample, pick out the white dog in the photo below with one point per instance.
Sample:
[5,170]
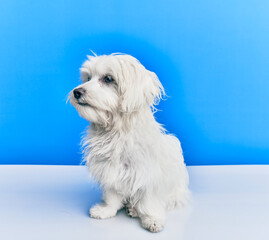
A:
[137,164]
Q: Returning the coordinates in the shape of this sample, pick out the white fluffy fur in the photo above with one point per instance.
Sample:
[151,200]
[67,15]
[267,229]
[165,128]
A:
[137,164]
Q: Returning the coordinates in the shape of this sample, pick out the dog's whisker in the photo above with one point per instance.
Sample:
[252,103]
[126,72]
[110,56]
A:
[68,97]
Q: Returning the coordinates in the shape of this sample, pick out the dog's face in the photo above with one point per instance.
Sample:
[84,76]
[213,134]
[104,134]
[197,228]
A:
[112,85]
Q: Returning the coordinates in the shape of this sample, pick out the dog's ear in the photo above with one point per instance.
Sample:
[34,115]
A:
[139,87]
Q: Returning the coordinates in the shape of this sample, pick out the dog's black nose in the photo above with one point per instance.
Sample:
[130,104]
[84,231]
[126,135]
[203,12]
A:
[78,92]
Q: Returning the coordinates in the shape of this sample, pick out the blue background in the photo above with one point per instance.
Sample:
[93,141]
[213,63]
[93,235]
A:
[211,56]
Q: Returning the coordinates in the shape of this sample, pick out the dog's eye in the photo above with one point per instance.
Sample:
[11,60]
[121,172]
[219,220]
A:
[89,78]
[108,79]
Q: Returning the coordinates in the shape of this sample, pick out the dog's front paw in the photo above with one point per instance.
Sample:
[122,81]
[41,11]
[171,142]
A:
[152,224]
[102,212]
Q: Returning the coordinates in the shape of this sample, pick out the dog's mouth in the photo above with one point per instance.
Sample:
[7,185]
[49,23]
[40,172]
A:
[83,104]
[79,102]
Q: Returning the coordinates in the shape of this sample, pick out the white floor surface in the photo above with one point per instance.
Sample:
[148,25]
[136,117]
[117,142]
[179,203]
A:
[52,202]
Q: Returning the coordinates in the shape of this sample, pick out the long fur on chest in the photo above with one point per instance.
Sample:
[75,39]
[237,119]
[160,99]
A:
[123,160]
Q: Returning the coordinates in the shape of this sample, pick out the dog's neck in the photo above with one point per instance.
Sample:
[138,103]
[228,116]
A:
[126,122]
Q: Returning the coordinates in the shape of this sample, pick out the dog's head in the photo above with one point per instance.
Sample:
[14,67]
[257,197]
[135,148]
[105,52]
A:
[112,86]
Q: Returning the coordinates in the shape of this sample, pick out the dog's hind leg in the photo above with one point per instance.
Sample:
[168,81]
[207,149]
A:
[178,198]
[130,210]
[112,203]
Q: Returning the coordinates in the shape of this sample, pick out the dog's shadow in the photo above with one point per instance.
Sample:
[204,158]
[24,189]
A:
[88,198]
